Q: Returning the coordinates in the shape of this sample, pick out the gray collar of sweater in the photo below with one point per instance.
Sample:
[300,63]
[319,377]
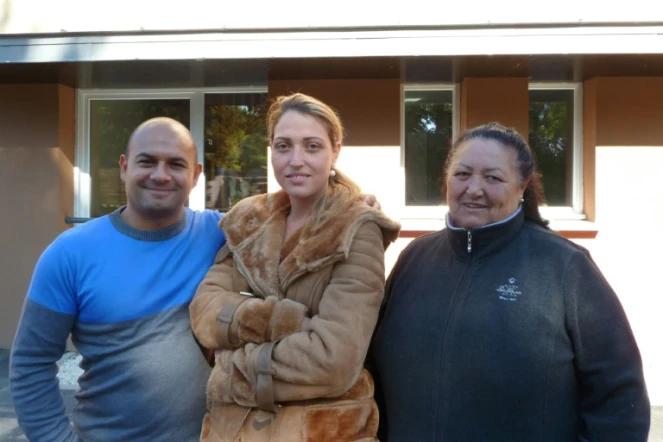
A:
[146,235]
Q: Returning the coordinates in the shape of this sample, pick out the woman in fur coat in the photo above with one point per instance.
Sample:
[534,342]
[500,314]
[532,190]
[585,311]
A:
[292,299]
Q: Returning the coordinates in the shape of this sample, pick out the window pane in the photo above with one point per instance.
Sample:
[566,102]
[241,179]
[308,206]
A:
[551,138]
[428,126]
[235,148]
[111,125]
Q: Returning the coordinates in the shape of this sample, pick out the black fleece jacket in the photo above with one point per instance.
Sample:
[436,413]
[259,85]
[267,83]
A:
[507,332]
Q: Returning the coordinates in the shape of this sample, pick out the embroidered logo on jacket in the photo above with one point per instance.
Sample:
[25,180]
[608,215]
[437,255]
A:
[509,292]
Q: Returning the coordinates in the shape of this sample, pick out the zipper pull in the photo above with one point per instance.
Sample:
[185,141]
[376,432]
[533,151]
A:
[469,242]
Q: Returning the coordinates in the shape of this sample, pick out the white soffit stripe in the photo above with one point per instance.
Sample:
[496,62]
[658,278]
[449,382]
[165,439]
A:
[85,16]
[512,41]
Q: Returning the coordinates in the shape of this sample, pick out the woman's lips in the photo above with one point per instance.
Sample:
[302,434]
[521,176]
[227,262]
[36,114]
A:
[297,178]
[475,206]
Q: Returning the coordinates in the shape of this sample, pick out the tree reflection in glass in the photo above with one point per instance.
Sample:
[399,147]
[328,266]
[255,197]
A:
[551,139]
[235,148]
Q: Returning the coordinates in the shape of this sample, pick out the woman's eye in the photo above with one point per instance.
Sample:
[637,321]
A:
[314,146]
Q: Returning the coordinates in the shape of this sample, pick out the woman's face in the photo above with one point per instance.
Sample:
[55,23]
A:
[302,156]
[483,184]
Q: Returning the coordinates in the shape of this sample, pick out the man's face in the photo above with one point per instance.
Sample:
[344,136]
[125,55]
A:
[159,172]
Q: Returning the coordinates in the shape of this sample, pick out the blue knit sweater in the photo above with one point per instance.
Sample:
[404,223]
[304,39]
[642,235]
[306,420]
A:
[123,294]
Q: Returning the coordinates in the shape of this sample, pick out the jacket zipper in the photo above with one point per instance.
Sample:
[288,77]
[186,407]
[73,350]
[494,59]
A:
[452,311]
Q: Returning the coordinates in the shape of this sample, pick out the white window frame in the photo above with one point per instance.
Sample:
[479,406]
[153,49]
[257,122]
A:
[196,97]
[414,213]
[576,210]
[432,217]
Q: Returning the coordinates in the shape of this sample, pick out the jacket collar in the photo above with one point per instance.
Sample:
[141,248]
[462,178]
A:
[254,230]
[484,240]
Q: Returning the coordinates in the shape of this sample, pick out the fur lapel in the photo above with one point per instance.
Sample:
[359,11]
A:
[254,230]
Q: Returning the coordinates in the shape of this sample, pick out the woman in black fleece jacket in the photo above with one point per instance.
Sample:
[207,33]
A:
[496,328]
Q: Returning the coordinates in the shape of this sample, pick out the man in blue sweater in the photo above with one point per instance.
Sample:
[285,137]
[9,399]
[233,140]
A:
[121,285]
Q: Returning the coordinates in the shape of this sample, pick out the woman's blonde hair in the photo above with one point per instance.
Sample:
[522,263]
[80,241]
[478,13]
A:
[342,191]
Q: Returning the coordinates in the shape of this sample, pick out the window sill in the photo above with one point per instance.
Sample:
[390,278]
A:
[575,229]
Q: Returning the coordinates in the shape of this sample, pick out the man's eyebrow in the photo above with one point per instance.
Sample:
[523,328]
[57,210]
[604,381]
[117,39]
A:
[152,157]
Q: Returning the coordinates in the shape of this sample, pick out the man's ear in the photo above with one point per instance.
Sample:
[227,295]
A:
[123,167]
[196,173]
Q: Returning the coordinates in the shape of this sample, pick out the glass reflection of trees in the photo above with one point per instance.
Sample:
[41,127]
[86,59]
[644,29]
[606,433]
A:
[551,138]
[235,148]
[111,125]
[428,132]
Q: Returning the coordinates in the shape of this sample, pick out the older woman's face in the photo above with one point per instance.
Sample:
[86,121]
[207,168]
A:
[483,184]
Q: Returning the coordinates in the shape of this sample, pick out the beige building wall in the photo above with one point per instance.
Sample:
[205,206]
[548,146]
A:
[624,143]
[36,185]
[501,100]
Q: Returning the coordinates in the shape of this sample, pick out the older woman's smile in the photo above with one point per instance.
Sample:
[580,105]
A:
[483,185]
[475,206]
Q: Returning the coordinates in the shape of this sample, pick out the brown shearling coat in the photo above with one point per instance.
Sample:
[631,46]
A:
[271,382]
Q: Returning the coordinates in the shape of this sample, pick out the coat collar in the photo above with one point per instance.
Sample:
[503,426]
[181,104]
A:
[254,230]
[484,240]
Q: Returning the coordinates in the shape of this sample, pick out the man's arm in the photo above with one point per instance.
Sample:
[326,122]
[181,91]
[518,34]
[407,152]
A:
[49,314]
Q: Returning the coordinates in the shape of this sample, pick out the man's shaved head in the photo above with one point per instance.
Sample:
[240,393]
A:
[159,170]
[163,126]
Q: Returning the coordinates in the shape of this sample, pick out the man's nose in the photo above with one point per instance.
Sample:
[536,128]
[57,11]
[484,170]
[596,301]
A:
[160,173]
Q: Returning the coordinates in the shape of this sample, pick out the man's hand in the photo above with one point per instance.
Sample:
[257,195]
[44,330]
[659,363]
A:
[370,200]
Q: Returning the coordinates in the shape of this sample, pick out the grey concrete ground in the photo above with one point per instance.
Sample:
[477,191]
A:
[656,433]
[10,431]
